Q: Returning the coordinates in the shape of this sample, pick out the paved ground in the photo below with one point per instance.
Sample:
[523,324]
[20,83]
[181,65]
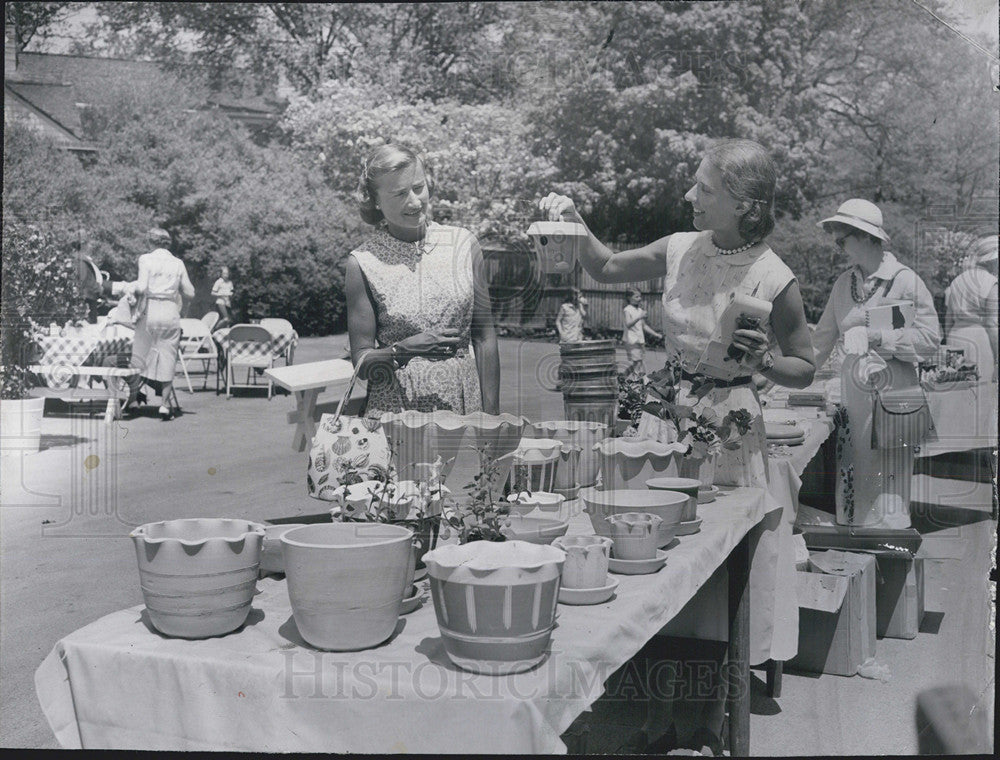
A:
[65,558]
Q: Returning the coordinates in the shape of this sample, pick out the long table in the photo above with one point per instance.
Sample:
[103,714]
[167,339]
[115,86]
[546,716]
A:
[117,683]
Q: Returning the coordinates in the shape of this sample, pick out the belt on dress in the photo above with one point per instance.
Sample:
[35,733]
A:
[692,378]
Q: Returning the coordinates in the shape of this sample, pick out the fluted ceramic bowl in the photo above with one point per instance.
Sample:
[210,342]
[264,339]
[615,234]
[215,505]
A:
[198,576]
[667,505]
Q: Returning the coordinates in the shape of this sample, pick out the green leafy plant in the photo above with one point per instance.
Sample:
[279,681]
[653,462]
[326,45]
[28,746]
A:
[39,286]
[480,515]
[698,425]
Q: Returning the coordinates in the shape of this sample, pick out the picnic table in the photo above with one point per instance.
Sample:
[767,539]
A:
[306,382]
[281,344]
[117,683]
[89,345]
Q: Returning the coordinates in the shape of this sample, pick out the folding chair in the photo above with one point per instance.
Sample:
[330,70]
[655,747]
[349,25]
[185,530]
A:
[197,345]
[210,319]
[278,326]
[248,346]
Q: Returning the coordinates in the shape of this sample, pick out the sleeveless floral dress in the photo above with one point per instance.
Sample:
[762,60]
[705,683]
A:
[417,287]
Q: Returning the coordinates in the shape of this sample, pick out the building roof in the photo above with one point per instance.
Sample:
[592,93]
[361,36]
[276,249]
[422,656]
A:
[56,83]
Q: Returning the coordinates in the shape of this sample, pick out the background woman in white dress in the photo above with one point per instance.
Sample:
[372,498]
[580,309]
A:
[162,282]
[971,301]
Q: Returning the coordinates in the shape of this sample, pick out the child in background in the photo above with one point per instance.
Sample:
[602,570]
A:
[634,334]
[222,292]
[569,321]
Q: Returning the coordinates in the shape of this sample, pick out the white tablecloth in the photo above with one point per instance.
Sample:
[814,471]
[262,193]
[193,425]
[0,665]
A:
[116,683]
[964,419]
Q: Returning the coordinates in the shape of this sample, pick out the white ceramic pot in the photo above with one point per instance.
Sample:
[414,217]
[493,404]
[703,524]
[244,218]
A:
[495,603]
[667,505]
[579,433]
[687,486]
[586,560]
[524,502]
[534,529]
[198,576]
[536,462]
[271,560]
[635,534]
[700,469]
[630,462]
[21,423]
[346,581]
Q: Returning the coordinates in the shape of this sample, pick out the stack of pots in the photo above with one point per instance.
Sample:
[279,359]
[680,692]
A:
[589,375]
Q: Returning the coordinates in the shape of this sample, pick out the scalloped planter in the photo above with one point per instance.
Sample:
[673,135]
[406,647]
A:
[586,560]
[495,603]
[535,464]
[198,576]
[420,437]
[347,581]
[579,433]
[630,462]
[636,535]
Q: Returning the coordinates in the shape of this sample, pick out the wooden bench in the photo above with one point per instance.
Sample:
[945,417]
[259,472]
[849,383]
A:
[306,382]
[114,396]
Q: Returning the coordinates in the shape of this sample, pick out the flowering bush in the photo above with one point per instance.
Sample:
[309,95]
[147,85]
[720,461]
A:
[698,425]
[39,286]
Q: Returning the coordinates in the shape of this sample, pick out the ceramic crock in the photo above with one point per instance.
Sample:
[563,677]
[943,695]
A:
[347,581]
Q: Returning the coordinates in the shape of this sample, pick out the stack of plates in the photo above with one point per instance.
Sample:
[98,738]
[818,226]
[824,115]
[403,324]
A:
[783,433]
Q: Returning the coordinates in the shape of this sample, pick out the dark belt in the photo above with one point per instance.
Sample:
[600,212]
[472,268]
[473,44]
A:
[745,380]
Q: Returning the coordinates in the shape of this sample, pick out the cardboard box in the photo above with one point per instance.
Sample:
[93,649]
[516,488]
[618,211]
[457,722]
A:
[836,613]
[899,594]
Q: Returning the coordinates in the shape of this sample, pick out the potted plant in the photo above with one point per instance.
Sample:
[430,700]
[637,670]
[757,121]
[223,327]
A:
[39,287]
[697,426]
[479,516]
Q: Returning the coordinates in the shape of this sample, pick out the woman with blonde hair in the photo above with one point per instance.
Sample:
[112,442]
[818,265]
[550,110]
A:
[418,308]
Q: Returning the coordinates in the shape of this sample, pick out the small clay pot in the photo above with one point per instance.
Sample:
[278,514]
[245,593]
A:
[586,560]
[635,535]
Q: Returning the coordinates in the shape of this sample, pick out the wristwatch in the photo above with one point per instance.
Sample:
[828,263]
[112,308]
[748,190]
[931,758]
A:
[766,361]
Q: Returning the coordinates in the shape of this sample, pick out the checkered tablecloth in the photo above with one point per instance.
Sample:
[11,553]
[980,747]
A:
[281,343]
[88,347]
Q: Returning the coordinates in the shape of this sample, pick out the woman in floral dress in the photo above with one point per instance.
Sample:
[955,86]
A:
[733,201]
[418,309]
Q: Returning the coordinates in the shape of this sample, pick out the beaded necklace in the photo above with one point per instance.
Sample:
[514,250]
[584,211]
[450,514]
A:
[859,292]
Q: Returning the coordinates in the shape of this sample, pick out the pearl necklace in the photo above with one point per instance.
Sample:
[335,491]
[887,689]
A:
[732,251]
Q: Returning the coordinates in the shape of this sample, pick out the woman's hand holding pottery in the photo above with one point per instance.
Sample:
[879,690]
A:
[559,208]
[753,344]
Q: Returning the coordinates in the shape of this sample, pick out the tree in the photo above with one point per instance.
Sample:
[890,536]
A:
[34,21]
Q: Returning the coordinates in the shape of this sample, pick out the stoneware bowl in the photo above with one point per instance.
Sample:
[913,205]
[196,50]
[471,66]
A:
[524,502]
[688,486]
[534,530]
[495,603]
[586,560]
[198,576]
[635,534]
[667,505]
[346,581]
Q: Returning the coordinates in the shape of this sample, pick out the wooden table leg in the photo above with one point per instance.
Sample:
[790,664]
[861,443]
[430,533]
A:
[774,669]
[305,408]
[738,697]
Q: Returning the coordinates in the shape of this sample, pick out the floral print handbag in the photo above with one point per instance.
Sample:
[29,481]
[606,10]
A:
[346,448]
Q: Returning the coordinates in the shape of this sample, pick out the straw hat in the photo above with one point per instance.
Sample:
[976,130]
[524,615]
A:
[158,235]
[984,250]
[861,214]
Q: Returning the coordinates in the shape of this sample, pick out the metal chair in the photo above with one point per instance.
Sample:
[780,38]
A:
[279,326]
[197,345]
[248,346]
[210,319]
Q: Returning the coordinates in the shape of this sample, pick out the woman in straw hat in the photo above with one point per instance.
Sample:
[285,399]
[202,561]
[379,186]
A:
[971,301]
[873,486]
[162,280]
